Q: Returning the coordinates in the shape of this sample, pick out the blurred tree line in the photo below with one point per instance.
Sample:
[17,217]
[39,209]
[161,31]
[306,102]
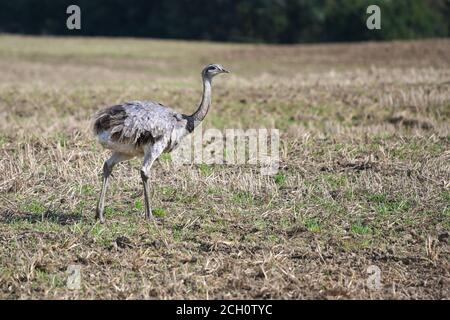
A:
[273,21]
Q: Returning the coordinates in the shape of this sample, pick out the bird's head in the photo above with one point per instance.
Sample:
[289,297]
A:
[213,69]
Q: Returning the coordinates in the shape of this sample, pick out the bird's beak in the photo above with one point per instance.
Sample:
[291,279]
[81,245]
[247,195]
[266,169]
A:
[225,70]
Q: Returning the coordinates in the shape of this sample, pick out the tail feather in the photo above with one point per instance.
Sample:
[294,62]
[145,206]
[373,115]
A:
[110,119]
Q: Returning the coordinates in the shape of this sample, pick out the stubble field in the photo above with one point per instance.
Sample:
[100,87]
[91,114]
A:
[364,174]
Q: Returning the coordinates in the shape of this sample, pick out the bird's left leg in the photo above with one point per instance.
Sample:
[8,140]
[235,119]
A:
[107,169]
[151,155]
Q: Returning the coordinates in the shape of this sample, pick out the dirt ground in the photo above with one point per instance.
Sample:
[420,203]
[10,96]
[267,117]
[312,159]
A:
[363,187]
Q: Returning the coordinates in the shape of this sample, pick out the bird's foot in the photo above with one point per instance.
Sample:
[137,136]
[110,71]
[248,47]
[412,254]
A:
[149,216]
[99,216]
[100,219]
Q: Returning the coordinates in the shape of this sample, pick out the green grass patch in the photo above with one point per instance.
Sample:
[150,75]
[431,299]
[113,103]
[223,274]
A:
[205,169]
[159,212]
[360,228]
[313,224]
[280,179]
[242,198]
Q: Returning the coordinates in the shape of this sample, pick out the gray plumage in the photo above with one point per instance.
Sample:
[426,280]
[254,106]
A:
[146,128]
[137,123]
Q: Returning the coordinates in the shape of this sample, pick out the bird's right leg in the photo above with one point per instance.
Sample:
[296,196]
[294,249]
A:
[150,156]
[145,175]
[107,169]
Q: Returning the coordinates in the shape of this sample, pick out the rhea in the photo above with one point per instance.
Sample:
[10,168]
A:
[146,129]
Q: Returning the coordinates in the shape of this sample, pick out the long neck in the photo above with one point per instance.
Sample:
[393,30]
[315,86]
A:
[203,108]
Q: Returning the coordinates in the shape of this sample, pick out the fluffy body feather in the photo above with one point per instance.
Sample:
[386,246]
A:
[129,127]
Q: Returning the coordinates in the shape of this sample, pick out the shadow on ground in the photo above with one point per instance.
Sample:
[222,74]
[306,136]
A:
[58,217]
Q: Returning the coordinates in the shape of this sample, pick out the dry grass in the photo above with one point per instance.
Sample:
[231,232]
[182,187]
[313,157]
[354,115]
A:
[364,177]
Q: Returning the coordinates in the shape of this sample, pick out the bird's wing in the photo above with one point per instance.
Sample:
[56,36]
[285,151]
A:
[137,122]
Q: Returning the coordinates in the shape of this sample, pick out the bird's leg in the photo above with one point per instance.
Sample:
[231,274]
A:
[101,201]
[107,169]
[145,175]
[150,156]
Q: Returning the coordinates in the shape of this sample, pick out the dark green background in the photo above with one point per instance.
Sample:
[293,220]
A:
[273,21]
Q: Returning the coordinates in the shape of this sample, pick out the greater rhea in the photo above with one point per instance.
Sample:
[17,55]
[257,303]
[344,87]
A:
[146,129]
